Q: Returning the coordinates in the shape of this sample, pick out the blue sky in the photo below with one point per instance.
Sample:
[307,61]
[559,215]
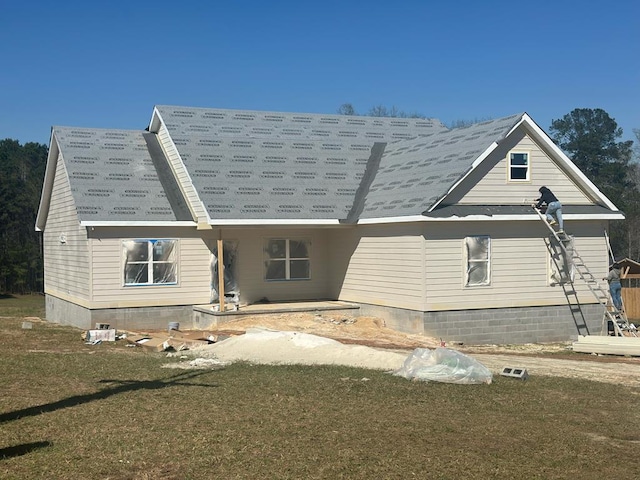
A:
[105,64]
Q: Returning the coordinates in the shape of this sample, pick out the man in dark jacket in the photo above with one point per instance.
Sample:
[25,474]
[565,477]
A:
[554,207]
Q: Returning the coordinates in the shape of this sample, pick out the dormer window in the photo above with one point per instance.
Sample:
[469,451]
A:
[518,166]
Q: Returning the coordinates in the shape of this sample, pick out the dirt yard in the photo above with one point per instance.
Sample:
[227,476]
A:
[538,359]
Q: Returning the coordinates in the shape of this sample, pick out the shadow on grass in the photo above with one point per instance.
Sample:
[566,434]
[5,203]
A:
[23,449]
[4,296]
[125,386]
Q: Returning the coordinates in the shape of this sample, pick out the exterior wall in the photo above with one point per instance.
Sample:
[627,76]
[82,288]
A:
[250,267]
[489,184]
[66,248]
[152,306]
[516,325]
[382,265]
[194,272]
[422,266]
[520,265]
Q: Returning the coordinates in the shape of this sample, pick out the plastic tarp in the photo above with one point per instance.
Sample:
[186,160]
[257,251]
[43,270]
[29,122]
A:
[477,249]
[149,261]
[444,365]
[229,256]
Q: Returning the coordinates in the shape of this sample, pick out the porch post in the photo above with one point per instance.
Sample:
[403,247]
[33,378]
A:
[220,275]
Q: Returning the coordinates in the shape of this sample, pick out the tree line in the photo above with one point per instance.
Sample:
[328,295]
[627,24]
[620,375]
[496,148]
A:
[590,137]
[21,175]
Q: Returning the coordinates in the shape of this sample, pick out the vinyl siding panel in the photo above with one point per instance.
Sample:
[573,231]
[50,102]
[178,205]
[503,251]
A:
[194,274]
[382,265]
[489,184]
[250,268]
[520,266]
[66,265]
[423,267]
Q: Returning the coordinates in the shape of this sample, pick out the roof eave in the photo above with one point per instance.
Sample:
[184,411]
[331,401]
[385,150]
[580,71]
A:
[274,221]
[474,218]
[165,223]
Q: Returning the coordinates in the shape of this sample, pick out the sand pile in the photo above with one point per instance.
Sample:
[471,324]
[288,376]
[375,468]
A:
[264,346]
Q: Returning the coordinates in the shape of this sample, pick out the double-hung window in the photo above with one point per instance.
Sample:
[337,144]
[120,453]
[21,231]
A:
[478,256]
[519,166]
[287,259]
[150,262]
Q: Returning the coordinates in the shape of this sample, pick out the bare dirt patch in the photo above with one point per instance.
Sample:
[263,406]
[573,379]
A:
[555,359]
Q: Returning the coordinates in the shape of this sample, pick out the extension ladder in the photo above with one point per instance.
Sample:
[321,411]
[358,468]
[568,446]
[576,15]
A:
[617,317]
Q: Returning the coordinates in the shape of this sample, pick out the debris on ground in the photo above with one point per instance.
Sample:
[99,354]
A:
[94,337]
[444,365]
[173,340]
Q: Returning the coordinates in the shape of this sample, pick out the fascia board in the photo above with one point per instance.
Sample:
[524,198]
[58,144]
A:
[581,177]
[258,222]
[474,165]
[485,218]
[137,224]
[47,185]
[158,121]
[154,123]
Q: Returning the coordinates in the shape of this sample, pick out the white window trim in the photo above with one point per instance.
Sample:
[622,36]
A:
[528,167]
[150,263]
[466,263]
[287,259]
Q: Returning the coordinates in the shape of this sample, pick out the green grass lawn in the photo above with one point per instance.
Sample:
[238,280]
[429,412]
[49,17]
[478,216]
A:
[74,411]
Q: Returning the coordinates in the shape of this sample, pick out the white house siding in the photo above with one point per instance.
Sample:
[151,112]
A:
[66,265]
[519,265]
[181,174]
[380,265]
[491,187]
[194,274]
[250,266]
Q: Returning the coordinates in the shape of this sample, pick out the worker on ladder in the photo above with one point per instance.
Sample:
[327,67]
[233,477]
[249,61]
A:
[615,286]
[554,207]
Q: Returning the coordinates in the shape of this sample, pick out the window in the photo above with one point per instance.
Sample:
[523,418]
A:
[477,250]
[519,166]
[149,262]
[287,259]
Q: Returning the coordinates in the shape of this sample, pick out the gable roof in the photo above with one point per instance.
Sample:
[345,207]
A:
[116,175]
[253,168]
[415,174]
[276,167]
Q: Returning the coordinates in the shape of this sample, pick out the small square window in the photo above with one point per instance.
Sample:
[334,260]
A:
[518,166]
[287,259]
[150,262]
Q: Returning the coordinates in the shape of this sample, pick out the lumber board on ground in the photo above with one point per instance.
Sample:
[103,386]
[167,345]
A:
[160,342]
[607,345]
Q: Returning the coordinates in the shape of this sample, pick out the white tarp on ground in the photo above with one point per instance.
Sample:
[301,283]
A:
[444,365]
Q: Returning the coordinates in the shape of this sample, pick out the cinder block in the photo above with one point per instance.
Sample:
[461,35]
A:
[515,372]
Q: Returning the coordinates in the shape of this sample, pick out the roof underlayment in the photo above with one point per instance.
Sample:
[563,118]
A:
[251,166]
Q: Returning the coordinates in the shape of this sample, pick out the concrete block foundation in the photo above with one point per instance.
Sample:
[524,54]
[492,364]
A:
[514,325]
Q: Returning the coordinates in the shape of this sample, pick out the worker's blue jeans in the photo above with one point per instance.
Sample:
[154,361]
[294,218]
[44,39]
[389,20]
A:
[555,208]
[615,288]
